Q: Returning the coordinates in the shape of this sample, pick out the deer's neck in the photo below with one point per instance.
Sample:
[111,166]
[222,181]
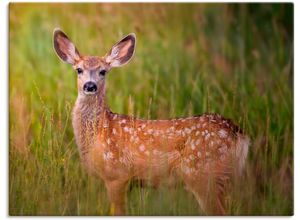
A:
[89,113]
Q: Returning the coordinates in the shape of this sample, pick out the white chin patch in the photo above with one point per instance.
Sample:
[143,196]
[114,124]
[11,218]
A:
[89,93]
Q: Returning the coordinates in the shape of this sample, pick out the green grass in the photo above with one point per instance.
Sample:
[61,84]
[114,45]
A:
[233,59]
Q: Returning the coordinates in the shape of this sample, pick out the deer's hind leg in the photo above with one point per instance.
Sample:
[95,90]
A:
[210,192]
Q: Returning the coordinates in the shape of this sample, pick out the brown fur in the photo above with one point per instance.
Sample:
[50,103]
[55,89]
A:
[92,62]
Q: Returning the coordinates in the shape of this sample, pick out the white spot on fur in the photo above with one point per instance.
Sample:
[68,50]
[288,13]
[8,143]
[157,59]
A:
[178,132]
[193,147]
[131,139]
[114,131]
[186,169]
[207,136]
[122,121]
[136,139]
[187,160]
[123,160]
[107,155]
[156,133]
[222,133]
[142,147]
[131,130]
[155,152]
[187,130]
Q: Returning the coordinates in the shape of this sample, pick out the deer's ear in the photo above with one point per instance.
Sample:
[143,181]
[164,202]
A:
[121,52]
[64,48]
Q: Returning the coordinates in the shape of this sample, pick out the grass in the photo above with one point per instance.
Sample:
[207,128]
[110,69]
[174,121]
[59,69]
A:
[233,59]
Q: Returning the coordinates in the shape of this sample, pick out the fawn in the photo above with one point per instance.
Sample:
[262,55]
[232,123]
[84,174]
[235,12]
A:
[204,151]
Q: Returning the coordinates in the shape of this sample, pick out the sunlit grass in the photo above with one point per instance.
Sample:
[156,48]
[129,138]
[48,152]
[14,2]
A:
[235,60]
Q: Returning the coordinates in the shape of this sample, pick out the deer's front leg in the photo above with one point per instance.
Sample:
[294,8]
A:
[116,190]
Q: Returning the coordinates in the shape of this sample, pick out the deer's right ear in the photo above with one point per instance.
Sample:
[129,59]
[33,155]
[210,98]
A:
[64,48]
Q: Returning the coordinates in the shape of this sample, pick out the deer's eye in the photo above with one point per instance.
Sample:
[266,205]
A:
[102,72]
[79,70]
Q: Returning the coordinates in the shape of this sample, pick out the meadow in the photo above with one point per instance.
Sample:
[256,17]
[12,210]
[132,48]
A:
[232,59]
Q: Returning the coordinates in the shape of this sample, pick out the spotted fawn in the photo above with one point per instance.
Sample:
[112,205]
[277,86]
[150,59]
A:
[204,152]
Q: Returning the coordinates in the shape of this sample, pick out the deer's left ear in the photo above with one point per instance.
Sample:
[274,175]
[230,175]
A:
[122,52]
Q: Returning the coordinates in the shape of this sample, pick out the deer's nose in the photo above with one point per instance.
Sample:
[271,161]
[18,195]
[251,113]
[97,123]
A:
[90,87]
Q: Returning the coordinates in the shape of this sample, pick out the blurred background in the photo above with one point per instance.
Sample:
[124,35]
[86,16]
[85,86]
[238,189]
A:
[232,59]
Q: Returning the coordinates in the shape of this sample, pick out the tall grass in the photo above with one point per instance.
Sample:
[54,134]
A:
[233,59]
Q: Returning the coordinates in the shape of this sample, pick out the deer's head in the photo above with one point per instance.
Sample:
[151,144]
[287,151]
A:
[92,70]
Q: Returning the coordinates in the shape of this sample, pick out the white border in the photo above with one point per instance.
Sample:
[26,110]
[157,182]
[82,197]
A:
[4,107]
[296,109]
[137,1]
[4,101]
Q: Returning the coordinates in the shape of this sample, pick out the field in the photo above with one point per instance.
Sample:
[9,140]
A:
[232,59]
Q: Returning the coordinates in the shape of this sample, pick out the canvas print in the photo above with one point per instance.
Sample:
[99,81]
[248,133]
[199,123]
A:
[172,109]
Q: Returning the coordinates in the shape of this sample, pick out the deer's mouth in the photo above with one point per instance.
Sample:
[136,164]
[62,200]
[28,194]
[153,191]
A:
[89,92]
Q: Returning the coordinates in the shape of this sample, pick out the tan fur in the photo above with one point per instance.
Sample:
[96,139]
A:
[202,151]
